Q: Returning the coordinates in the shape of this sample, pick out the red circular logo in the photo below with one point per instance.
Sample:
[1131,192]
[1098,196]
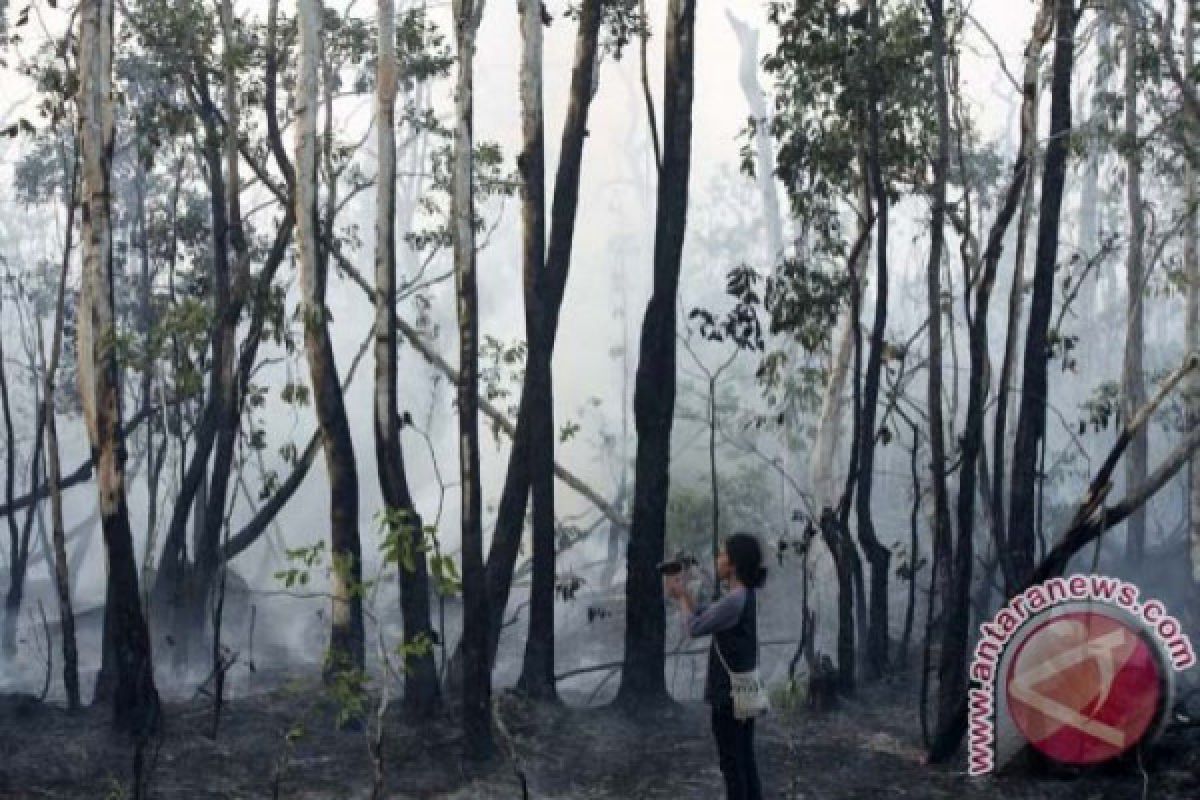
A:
[1084,687]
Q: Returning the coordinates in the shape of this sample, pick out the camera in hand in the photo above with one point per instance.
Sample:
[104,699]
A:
[675,565]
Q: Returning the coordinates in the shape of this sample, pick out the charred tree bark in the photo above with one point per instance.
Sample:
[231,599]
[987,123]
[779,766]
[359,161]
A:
[135,699]
[1092,519]
[1031,421]
[10,473]
[514,497]
[62,582]
[346,646]
[877,554]
[476,678]
[952,662]
[537,673]
[421,693]
[642,679]
[181,586]
[953,655]
[1031,84]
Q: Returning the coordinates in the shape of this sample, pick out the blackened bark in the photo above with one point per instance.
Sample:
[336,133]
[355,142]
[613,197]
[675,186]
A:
[838,540]
[514,497]
[346,646]
[642,679]
[14,536]
[1031,421]
[941,568]
[1042,27]
[476,677]
[135,699]
[537,672]
[62,583]
[877,554]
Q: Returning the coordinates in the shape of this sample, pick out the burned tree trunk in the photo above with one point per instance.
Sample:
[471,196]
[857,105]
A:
[514,497]
[346,646]
[1092,518]
[62,582]
[421,684]
[877,554]
[537,673]
[954,628]
[1031,420]
[476,677]
[1031,88]
[135,699]
[642,679]
[10,471]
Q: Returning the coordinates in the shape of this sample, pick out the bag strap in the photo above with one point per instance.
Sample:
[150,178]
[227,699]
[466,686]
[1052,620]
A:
[757,647]
[757,643]
[724,663]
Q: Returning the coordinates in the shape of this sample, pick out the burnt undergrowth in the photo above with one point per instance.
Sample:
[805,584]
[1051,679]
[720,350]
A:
[287,743]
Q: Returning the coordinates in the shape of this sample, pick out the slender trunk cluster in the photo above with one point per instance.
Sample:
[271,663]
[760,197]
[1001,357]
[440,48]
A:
[514,497]
[1031,420]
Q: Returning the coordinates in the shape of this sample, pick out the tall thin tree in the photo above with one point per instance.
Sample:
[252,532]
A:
[421,684]
[346,646]
[476,676]
[642,678]
[1133,378]
[135,698]
[537,673]
[877,554]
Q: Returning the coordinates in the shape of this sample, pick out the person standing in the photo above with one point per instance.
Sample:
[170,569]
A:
[731,621]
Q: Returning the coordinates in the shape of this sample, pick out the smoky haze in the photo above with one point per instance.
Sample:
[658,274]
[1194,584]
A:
[596,353]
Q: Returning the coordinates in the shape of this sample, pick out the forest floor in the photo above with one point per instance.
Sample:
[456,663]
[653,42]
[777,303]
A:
[868,748]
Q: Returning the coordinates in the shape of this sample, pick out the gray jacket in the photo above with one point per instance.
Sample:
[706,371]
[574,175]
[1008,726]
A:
[731,622]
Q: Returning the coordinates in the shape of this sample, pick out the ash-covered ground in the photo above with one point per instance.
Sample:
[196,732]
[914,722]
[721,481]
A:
[285,743]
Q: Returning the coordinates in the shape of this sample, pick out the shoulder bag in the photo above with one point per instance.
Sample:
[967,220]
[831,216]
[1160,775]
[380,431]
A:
[747,689]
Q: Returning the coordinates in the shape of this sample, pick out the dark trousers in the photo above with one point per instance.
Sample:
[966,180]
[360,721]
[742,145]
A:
[735,750]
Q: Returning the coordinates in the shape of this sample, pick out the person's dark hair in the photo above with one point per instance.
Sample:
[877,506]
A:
[746,554]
